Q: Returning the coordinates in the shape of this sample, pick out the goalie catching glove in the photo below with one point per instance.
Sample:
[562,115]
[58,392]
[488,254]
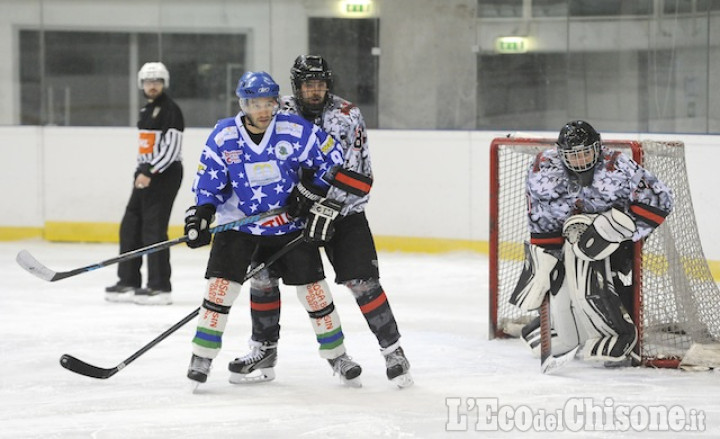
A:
[319,226]
[595,237]
[197,225]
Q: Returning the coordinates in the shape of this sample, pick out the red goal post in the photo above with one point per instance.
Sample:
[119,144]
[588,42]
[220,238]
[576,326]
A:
[676,300]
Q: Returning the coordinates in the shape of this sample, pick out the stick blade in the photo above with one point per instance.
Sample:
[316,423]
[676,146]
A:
[80,367]
[552,364]
[34,267]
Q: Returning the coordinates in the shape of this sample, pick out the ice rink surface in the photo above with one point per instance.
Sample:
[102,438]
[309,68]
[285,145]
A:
[440,302]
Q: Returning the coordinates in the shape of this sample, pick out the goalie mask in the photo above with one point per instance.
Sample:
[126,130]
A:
[308,68]
[579,146]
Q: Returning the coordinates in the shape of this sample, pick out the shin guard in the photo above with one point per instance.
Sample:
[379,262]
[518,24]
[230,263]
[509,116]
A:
[219,297]
[265,307]
[317,300]
[374,305]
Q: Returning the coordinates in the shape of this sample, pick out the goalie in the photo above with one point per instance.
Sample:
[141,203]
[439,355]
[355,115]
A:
[586,206]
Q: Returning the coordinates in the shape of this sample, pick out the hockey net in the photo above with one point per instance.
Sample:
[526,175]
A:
[676,300]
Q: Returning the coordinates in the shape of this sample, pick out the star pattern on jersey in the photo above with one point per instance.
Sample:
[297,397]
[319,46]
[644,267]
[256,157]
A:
[258,178]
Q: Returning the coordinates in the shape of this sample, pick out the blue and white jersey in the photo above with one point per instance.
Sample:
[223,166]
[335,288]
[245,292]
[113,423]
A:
[617,182]
[241,178]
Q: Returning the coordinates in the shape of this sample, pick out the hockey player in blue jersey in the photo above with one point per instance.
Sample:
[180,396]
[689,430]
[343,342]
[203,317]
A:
[351,249]
[251,164]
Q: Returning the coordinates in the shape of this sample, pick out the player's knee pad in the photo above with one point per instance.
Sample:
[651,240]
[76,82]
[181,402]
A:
[264,282]
[219,296]
[317,300]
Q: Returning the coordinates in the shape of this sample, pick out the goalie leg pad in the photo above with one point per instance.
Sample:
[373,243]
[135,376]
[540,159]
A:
[220,294]
[540,271]
[530,334]
[564,323]
[605,326]
[325,320]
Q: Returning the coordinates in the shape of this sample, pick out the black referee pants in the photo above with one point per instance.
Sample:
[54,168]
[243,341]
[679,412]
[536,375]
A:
[145,222]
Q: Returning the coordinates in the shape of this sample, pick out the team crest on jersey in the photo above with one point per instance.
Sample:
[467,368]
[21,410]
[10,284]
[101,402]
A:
[232,157]
[283,150]
[262,173]
[291,128]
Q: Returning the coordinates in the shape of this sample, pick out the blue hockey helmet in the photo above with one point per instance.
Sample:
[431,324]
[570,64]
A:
[257,85]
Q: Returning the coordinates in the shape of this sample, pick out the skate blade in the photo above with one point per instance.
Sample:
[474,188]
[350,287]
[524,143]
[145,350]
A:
[354,383]
[256,376]
[194,386]
[403,381]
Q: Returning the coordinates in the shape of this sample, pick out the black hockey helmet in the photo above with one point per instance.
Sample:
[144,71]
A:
[307,68]
[576,139]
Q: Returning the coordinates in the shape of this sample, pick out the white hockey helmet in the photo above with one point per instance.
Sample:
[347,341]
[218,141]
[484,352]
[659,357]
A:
[154,70]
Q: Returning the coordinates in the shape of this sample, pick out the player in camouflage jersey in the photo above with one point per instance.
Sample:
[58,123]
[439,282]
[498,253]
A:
[351,250]
[586,206]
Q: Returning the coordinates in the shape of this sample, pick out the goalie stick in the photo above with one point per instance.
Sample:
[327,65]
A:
[78,366]
[549,363]
[34,267]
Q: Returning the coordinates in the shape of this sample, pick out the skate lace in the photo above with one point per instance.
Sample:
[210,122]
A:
[396,358]
[254,355]
[343,364]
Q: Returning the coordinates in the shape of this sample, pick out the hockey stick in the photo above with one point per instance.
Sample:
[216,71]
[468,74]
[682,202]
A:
[34,267]
[549,363]
[80,367]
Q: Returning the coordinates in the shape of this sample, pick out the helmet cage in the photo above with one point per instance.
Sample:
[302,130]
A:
[309,68]
[577,158]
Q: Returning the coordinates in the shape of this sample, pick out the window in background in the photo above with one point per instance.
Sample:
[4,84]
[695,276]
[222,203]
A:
[604,8]
[707,5]
[347,46]
[521,92]
[85,78]
[204,70]
[500,8]
[549,8]
[677,6]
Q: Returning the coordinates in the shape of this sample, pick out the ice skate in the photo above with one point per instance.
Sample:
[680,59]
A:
[257,366]
[119,293]
[348,370]
[148,296]
[398,368]
[198,370]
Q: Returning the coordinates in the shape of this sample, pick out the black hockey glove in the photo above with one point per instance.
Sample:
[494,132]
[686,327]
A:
[197,225]
[302,197]
[319,226]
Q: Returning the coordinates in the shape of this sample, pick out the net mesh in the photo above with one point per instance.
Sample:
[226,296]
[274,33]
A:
[677,299]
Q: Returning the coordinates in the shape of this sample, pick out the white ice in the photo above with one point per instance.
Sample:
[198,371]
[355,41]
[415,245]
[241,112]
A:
[440,302]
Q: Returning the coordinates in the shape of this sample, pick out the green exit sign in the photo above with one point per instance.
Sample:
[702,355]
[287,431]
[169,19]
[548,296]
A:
[511,45]
[357,8]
